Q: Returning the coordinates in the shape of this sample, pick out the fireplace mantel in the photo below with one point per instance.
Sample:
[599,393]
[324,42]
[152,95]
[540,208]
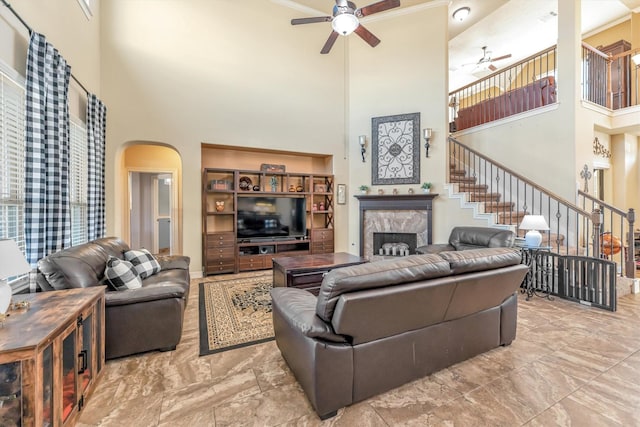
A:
[393,202]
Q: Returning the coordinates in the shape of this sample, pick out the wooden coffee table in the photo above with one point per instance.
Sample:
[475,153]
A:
[306,271]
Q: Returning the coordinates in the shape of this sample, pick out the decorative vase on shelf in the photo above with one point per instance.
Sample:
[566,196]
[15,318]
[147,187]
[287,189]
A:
[426,190]
[219,205]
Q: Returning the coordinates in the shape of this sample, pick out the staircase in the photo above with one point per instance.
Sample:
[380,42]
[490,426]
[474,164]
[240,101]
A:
[504,197]
[490,202]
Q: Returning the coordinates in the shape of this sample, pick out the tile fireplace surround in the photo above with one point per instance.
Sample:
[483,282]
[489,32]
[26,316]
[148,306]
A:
[405,213]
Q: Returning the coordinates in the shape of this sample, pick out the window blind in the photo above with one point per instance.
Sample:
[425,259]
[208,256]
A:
[12,130]
[78,183]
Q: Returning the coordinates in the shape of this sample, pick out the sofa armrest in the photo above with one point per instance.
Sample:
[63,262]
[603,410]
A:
[173,262]
[434,249]
[298,308]
[144,294]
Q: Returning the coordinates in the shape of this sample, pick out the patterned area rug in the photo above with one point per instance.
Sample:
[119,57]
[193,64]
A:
[235,313]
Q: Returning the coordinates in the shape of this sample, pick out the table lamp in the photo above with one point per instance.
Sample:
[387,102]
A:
[12,263]
[533,223]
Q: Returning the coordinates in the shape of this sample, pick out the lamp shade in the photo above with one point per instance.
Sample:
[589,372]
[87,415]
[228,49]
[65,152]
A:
[345,23]
[533,223]
[636,58]
[12,261]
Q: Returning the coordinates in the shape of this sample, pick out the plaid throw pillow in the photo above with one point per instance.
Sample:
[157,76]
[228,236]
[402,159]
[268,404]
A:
[146,264]
[121,275]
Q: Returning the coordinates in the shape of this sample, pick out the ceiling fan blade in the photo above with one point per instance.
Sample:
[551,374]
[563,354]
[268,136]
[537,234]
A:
[492,67]
[501,57]
[329,44]
[299,21]
[377,7]
[367,36]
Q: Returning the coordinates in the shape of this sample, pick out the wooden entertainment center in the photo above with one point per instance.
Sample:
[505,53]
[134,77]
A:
[224,251]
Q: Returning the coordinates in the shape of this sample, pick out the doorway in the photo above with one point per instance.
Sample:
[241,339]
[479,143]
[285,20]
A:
[152,197]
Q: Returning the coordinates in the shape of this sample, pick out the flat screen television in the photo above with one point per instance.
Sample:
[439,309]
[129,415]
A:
[271,217]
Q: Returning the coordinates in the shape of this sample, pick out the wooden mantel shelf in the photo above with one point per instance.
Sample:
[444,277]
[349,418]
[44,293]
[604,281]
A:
[417,201]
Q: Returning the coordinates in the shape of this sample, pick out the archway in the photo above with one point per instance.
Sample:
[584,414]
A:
[152,184]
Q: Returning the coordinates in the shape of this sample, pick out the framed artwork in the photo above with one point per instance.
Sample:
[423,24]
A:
[395,149]
[342,194]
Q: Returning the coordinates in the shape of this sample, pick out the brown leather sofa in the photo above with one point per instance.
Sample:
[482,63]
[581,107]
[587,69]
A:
[379,325]
[464,238]
[136,320]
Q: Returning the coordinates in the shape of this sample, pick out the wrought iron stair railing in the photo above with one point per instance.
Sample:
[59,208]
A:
[574,232]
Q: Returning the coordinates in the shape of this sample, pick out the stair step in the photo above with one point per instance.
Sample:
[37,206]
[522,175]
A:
[484,197]
[457,172]
[511,217]
[455,179]
[498,206]
[472,188]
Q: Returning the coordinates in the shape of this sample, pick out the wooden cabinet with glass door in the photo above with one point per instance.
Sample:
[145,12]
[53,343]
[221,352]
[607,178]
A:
[48,374]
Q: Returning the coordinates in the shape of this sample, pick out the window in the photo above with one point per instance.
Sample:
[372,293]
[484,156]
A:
[78,182]
[12,127]
[12,172]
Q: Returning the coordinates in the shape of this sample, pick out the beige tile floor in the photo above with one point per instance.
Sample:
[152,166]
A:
[570,365]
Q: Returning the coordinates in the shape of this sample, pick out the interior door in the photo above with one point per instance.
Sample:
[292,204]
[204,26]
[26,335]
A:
[162,211]
[150,211]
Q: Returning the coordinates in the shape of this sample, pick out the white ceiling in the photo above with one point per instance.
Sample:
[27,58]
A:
[518,27]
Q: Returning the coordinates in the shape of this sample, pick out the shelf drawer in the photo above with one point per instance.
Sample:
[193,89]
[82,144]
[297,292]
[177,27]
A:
[223,267]
[220,252]
[221,240]
[322,248]
[322,235]
[252,262]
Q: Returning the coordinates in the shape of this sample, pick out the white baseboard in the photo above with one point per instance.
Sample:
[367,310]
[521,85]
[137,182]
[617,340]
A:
[196,274]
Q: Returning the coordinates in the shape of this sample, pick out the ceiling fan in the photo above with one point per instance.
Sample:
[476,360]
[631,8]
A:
[485,63]
[345,21]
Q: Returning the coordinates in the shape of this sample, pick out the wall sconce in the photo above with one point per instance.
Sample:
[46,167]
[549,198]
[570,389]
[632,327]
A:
[427,137]
[362,139]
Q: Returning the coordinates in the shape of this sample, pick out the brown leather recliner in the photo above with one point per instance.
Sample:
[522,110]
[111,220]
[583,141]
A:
[464,238]
[136,320]
[379,325]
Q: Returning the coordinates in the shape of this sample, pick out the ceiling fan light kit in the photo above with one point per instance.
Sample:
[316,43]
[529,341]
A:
[461,14]
[345,20]
[345,24]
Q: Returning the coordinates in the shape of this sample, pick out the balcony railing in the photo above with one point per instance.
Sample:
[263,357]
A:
[610,81]
[528,84]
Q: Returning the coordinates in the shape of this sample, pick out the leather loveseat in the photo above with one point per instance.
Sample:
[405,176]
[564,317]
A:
[464,238]
[136,320]
[379,325]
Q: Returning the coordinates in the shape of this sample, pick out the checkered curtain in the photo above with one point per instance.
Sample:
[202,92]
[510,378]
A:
[47,209]
[96,130]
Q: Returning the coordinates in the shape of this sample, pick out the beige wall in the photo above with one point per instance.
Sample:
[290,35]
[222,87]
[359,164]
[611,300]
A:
[406,73]
[184,73]
[66,27]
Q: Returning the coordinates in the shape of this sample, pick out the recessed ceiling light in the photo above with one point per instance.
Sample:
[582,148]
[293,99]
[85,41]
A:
[461,13]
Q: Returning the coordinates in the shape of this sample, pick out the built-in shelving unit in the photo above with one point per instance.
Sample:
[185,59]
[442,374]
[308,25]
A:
[225,252]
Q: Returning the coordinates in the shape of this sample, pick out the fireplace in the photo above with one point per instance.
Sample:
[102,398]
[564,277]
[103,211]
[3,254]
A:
[394,244]
[406,213]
